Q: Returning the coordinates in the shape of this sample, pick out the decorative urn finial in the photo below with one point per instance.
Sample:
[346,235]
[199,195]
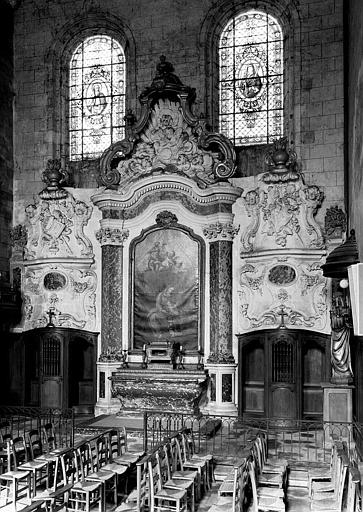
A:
[281,163]
[54,177]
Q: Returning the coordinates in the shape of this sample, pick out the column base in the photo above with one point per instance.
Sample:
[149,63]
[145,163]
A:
[222,389]
[338,407]
[105,403]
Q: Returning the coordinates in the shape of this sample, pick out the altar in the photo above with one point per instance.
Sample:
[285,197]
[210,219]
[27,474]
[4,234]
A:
[138,390]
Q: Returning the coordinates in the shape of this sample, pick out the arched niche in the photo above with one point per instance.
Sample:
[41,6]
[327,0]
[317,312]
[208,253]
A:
[167,288]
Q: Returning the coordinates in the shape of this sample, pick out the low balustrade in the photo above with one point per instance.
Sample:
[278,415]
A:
[300,441]
[16,420]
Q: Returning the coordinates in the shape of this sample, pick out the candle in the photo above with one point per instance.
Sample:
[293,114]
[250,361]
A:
[144,347]
[181,348]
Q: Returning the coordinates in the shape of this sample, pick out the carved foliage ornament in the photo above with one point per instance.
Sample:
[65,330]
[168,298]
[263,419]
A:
[221,231]
[112,236]
[168,139]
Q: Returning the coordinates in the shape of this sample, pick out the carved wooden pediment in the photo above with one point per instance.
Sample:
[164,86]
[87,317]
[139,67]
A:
[168,139]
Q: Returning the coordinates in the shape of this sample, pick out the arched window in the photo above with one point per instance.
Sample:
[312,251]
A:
[96,96]
[251,79]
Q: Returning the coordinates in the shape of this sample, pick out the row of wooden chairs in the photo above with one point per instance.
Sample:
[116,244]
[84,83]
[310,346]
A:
[171,478]
[255,484]
[80,477]
[335,489]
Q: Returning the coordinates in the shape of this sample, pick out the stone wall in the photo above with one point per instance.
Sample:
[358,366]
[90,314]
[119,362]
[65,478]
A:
[355,119]
[182,31]
[6,132]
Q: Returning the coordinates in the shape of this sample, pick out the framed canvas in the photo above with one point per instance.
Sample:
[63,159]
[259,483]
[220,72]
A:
[166,289]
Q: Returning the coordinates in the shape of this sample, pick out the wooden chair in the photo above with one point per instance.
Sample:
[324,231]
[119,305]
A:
[15,484]
[269,478]
[38,468]
[191,455]
[97,453]
[57,492]
[178,470]
[353,492]
[332,502]
[323,479]
[263,502]
[138,499]
[193,464]
[83,494]
[107,464]
[119,453]
[162,499]
[171,482]
[236,500]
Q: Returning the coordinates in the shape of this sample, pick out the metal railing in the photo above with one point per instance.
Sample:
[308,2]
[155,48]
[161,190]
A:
[223,436]
[17,420]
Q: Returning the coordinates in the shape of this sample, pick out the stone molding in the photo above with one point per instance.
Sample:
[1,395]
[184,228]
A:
[136,197]
[112,236]
[221,231]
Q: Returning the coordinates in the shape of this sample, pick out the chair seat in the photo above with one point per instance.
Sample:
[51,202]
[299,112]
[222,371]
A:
[49,494]
[189,475]
[127,458]
[85,486]
[116,468]
[16,474]
[101,475]
[34,465]
[176,483]
[170,494]
[272,504]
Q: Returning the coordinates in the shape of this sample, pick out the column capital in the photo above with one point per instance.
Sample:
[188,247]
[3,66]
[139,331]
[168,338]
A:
[112,236]
[221,231]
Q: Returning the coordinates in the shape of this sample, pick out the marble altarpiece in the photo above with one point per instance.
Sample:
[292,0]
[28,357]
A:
[173,249]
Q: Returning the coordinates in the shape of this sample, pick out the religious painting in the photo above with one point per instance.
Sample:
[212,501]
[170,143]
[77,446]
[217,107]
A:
[166,289]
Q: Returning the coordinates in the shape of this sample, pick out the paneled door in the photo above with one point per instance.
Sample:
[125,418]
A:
[283,376]
[280,373]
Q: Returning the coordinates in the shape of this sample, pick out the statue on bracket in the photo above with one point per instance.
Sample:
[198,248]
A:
[168,139]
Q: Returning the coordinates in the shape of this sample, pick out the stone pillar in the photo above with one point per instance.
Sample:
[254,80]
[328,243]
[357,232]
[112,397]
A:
[111,240]
[221,362]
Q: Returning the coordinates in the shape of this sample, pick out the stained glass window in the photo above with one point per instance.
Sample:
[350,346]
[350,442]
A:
[251,79]
[96,97]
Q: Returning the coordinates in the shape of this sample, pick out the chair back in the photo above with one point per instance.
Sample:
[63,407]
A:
[70,468]
[18,452]
[155,483]
[84,462]
[34,443]
[49,437]
[142,484]
[252,477]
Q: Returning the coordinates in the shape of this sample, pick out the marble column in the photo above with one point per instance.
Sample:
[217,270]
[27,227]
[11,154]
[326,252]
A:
[220,362]
[220,253]
[111,240]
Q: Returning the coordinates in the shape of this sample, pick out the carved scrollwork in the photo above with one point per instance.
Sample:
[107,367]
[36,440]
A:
[168,139]
[56,228]
[252,205]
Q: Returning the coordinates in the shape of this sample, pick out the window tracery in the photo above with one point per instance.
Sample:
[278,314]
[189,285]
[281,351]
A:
[96,112]
[251,79]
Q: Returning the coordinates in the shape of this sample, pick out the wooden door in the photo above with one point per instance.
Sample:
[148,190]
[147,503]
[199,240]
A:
[51,376]
[283,376]
[281,371]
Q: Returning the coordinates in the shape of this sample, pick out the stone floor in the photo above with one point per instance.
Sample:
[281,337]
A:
[297,497]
